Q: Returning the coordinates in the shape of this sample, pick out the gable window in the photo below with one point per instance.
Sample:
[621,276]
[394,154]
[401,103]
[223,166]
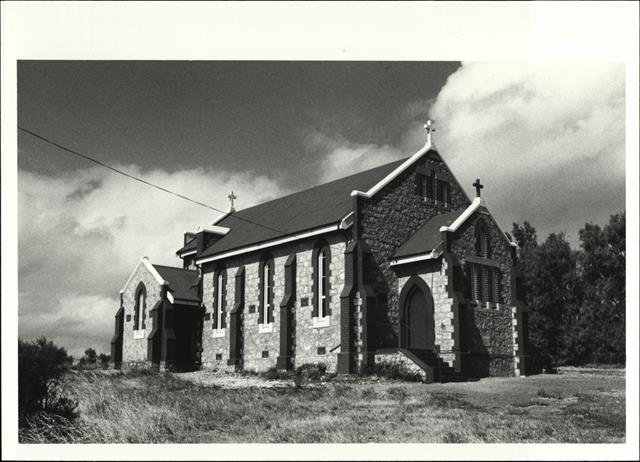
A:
[432,188]
[219,302]
[442,192]
[484,276]
[321,256]
[265,314]
[482,243]
[140,315]
[425,185]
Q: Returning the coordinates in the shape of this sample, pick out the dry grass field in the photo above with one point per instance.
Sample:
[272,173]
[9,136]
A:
[578,405]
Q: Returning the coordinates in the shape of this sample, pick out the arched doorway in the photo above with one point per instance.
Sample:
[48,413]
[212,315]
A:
[417,324]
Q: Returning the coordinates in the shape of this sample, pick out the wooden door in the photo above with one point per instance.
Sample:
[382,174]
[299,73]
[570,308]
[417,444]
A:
[419,321]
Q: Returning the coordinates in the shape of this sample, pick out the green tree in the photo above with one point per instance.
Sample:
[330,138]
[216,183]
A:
[104,360]
[600,332]
[41,367]
[90,358]
[551,291]
[90,355]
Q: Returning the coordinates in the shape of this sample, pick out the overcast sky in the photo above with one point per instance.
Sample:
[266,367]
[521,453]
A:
[547,141]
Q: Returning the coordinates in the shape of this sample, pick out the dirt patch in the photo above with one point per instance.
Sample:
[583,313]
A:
[229,380]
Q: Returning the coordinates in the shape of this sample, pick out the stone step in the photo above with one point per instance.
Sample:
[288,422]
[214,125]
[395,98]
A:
[441,369]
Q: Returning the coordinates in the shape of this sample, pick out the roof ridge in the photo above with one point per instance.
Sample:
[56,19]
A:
[318,186]
[173,267]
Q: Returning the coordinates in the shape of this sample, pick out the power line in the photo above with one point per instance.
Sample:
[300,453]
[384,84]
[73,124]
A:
[102,164]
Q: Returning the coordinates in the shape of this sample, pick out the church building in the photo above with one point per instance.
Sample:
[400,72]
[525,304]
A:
[391,265]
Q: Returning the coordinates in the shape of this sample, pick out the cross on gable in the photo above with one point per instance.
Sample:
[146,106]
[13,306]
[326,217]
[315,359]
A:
[478,187]
[428,127]
[231,198]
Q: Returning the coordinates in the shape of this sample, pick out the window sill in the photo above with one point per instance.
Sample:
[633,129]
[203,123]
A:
[265,328]
[218,333]
[318,323]
[138,334]
[487,305]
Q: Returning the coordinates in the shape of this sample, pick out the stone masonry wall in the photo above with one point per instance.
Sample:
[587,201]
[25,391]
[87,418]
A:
[487,333]
[308,338]
[388,220]
[215,344]
[435,276]
[134,350]
[402,362]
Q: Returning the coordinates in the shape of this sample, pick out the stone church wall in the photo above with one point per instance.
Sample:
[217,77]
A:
[487,333]
[434,274]
[261,349]
[134,350]
[387,221]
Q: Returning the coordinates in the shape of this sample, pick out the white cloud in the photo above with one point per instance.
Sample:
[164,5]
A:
[81,235]
[340,157]
[547,139]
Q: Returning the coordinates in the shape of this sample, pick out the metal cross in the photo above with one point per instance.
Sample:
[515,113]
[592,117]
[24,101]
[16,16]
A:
[231,198]
[478,187]
[428,127]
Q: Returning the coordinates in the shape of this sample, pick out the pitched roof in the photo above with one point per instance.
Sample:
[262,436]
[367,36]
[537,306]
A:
[182,283]
[312,208]
[191,245]
[429,236]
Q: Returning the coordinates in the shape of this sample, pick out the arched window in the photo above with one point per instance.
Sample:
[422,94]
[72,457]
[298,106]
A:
[483,243]
[266,272]
[321,256]
[485,277]
[140,314]
[220,299]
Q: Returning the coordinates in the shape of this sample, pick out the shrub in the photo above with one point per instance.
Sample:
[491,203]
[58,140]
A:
[104,360]
[310,372]
[41,367]
[392,370]
[90,360]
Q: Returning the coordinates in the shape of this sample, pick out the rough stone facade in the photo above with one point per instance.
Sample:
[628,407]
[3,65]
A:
[487,333]
[387,221]
[435,276]
[364,292]
[261,349]
[402,362]
[134,350]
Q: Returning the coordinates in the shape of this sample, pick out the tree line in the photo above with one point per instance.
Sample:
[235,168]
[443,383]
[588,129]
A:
[576,298]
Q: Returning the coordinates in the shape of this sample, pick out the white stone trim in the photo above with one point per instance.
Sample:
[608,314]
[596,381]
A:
[317,322]
[265,328]
[391,176]
[170,297]
[220,218]
[220,230]
[267,244]
[464,216]
[344,224]
[435,253]
[150,268]
[488,305]
[138,334]
[218,333]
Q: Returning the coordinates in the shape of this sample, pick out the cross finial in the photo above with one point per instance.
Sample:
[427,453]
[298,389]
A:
[428,127]
[231,198]
[478,187]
